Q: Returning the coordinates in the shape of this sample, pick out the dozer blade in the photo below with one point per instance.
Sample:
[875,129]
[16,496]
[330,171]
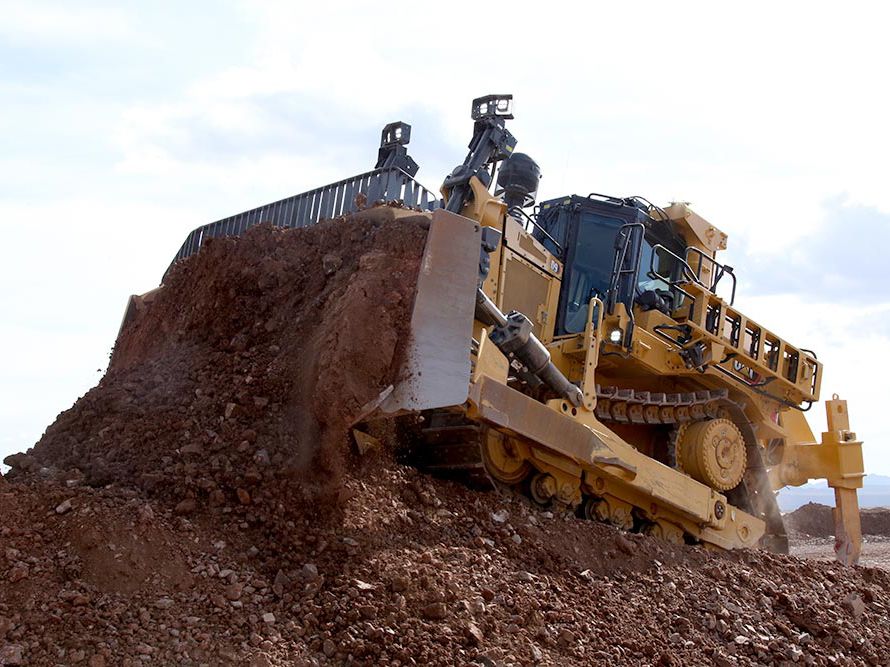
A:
[436,371]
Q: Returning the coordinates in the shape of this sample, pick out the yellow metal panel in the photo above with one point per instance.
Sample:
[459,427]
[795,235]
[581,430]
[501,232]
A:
[530,291]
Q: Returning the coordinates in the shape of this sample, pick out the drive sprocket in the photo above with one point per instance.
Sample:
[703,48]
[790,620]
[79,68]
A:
[712,452]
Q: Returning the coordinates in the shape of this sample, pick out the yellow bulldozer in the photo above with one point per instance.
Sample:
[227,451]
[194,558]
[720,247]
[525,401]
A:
[577,351]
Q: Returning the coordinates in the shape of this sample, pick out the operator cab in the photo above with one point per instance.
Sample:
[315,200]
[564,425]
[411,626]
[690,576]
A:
[608,244]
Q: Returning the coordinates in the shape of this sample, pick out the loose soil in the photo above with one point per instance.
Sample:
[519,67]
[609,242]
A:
[203,505]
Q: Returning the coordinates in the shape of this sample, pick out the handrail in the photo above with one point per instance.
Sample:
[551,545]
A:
[307,208]
[720,270]
[628,244]
[517,211]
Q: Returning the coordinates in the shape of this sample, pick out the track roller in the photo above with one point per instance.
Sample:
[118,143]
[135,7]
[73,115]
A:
[664,530]
[504,458]
[542,488]
[608,510]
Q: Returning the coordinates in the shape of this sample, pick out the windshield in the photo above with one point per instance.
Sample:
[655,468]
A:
[591,267]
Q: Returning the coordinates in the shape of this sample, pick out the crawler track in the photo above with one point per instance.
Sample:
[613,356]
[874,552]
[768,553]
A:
[451,445]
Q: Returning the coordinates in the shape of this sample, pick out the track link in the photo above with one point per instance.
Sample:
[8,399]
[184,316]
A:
[451,447]
[630,406]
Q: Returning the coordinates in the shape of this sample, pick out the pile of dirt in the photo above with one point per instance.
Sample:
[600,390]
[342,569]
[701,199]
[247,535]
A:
[247,367]
[202,506]
[415,571]
[816,520]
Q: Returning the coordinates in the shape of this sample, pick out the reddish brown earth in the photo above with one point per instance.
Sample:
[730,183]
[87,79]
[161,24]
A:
[203,506]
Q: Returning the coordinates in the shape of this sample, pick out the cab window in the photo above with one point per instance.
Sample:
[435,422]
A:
[591,267]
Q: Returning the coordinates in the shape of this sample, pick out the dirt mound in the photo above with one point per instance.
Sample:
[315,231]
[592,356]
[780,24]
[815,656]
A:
[201,506]
[247,367]
[416,571]
[817,520]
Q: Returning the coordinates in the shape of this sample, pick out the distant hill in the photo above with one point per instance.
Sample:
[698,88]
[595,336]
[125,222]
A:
[874,493]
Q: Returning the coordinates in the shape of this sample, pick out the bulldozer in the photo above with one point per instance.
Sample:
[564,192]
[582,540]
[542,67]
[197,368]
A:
[586,352]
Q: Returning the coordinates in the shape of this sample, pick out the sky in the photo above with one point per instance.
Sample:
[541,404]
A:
[124,125]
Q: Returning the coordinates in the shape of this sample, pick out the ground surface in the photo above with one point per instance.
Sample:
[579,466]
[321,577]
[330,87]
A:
[875,550]
[203,506]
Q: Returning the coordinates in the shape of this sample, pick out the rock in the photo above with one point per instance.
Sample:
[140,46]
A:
[793,653]
[854,604]
[473,634]
[349,542]
[399,583]
[281,584]
[309,571]
[487,594]
[331,263]
[625,545]
[97,660]
[12,654]
[228,654]
[435,611]
[566,638]
[192,448]
[537,654]
[268,617]
[733,608]
[18,572]
[64,507]
[260,660]
[329,648]
[500,516]
[367,612]
[723,660]
[164,603]
[243,496]
[233,591]
[145,514]
[186,506]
